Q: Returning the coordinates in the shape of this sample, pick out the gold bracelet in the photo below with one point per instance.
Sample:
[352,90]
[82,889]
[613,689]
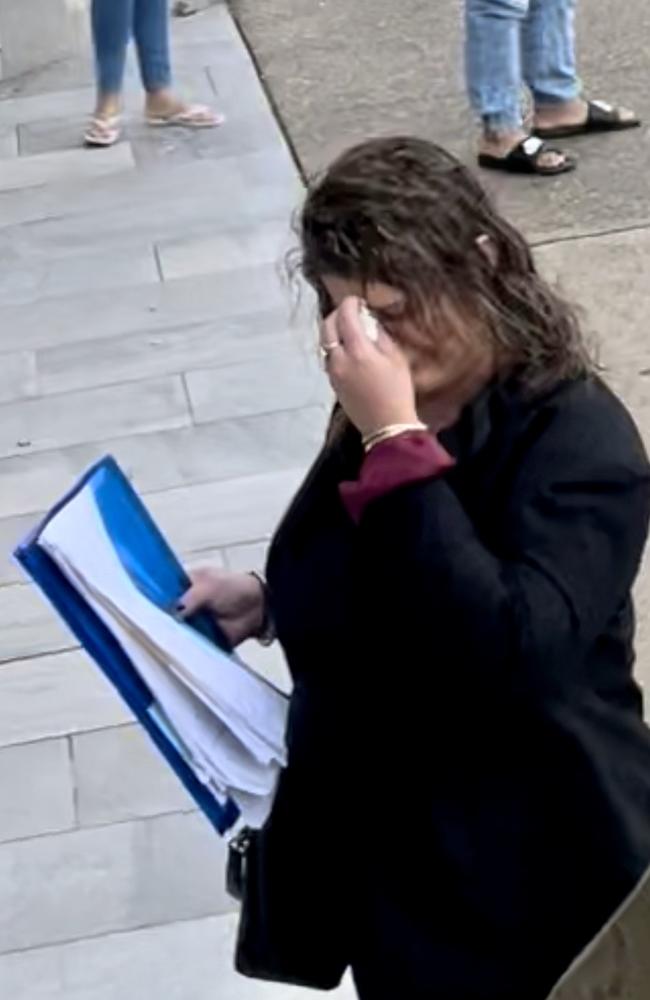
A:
[391,431]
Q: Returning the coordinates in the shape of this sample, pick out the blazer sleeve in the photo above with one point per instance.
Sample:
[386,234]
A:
[575,527]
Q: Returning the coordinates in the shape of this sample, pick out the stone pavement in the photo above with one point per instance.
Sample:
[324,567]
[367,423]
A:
[141,313]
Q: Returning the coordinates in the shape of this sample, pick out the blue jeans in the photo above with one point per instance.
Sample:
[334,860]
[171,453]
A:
[512,42]
[113,24]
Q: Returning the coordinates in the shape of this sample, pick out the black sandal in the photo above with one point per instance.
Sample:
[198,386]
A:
[525,157]
[601,117]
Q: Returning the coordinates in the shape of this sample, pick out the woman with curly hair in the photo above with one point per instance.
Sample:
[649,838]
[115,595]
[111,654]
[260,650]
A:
[467,799]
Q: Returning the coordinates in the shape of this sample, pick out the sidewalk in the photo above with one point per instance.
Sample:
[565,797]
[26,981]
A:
[141,313]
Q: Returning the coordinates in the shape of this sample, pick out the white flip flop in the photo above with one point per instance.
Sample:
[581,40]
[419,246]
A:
[102,132]
[194,116]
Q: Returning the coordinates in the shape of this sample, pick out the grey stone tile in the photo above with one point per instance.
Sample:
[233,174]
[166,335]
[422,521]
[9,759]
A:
[17,375]
[278,381]
[192,960]
[216,515]
[608,278]
[97,414]
[52,696]
[242,558]
[36,32]
[55,135]
[72,73]
[209,557]
[8,143]
[68,164]
[147,308]
[237,84]
[264,243]
[120,776]
[239,134]
[12,531]
[165,352]
[120,877]
[229,449]
[268,661]
[24,283]
[62,104]
[28,625]
[213,25]
[238,188]
[37,791]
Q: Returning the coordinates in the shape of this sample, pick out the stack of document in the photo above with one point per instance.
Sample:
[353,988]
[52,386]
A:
[209,714]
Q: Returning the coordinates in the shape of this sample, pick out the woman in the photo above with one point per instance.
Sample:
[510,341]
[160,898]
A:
[512,42]
[113,23]
[468,794]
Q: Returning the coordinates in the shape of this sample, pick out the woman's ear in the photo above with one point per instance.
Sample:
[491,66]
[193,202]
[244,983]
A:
[488,249]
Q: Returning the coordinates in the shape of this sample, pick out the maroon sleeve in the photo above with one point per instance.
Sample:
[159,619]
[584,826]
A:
[400,461]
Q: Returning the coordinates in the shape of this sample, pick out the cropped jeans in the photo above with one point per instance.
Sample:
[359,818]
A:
[114,23]
[510,43]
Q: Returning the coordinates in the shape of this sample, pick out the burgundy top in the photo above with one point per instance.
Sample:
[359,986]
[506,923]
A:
[399,461]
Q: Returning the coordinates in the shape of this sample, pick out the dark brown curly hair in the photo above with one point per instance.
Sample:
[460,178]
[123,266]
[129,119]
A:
[404,212]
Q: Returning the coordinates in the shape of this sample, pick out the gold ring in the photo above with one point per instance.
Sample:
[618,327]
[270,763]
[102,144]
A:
[326,349]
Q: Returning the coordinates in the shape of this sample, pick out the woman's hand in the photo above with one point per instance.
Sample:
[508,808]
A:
[236,600]
[372,381]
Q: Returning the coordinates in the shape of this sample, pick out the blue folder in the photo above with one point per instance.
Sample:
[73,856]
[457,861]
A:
[155,570]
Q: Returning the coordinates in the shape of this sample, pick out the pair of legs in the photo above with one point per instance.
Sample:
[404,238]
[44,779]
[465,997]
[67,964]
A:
[515,42]
[114,23]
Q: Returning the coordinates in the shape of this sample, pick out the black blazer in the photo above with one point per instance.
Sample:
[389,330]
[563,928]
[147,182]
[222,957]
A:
[468,794]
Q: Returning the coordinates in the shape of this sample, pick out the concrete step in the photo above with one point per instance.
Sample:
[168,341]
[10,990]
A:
[98,314]
[159,203]
[70,165]
[192,960]
[162,460]
[99,880]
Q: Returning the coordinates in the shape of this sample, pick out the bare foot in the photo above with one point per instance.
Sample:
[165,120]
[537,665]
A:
[500,145]
[569,114]
[163,107]
[108,106]
[164,104]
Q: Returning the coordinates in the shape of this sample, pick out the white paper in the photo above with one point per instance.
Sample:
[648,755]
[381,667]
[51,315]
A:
[229,722]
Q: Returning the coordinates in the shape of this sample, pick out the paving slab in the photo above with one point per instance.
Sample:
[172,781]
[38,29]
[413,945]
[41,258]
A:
[37,789]
[165,352]
[279,381]
[230,188]
[52,696]
[217,515]
[191,960]
[93,415]
[28,626]
[17,375]
[145,308]
[68,164]
[226,250]
[12,531]
[8,142]
[112,878]
[119,776]
[229,449]
[23,282]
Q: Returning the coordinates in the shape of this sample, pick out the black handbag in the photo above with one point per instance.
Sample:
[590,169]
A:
[274,942]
